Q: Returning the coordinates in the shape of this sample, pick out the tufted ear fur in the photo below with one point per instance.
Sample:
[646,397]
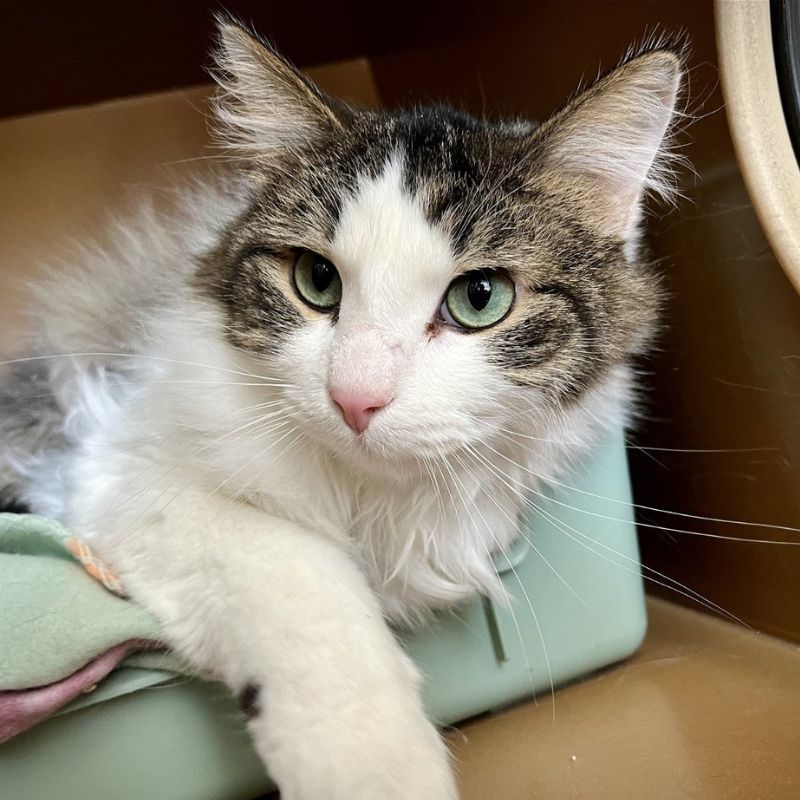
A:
[263,102]
[609,142]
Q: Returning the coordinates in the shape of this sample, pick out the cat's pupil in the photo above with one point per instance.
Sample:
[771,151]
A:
[322,274]
[479,292]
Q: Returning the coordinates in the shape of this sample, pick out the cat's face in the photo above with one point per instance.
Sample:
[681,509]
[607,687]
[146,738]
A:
[420,280]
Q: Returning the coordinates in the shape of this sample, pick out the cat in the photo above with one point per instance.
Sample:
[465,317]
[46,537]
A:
[307,405]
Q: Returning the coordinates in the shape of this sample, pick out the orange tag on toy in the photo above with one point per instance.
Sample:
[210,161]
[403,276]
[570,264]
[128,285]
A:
[94,567]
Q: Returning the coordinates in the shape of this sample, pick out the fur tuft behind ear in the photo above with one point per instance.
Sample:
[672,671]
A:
[263,103]
[613,138]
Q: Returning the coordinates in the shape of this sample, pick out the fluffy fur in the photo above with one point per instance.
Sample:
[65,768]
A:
[183,421]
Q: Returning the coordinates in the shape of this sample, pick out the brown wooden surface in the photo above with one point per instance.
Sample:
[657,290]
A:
[60,54]
[706,710]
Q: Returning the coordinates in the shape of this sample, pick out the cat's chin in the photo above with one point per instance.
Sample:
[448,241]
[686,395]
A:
[375,457]
[395,464]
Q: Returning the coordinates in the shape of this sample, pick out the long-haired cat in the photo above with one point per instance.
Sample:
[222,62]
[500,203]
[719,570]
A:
[276,413]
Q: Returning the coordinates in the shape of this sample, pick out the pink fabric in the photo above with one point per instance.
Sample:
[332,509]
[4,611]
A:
[24,708]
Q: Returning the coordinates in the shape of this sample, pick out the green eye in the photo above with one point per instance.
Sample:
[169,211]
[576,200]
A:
[317,281]
[479,299]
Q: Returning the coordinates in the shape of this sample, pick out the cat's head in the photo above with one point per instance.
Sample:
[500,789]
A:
[419,279]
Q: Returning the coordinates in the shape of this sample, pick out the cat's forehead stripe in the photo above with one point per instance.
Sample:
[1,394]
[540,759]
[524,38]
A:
[391,257]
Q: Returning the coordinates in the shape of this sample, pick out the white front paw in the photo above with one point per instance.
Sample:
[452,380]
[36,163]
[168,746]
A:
[366,751]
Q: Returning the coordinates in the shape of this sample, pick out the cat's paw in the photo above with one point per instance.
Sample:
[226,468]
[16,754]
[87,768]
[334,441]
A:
[378,753]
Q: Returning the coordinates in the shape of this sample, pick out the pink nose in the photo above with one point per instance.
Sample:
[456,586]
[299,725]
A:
[358,409]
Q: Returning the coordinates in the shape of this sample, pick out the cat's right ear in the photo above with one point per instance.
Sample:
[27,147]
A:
[263,103]
[611,143]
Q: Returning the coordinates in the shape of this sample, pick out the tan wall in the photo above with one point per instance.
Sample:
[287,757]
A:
[66,174]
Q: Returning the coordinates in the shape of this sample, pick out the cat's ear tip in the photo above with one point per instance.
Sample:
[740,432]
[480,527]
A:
[236,36]
[231,30]
[665,52]
[228,22]
[658,73]
[663,60]
[239,48]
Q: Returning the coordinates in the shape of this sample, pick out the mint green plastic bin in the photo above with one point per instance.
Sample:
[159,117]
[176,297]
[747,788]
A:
[145,734]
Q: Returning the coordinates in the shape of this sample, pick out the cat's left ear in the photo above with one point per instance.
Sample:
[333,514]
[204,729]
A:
[609,142]
[263,102]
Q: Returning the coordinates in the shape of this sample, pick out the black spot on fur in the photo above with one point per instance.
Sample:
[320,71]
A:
[10,505]
[249,700]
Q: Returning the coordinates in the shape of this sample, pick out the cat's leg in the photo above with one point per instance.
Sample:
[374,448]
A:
[284,616]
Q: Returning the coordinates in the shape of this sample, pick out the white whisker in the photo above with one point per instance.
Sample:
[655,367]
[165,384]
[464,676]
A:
[670,583]
[555,482]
